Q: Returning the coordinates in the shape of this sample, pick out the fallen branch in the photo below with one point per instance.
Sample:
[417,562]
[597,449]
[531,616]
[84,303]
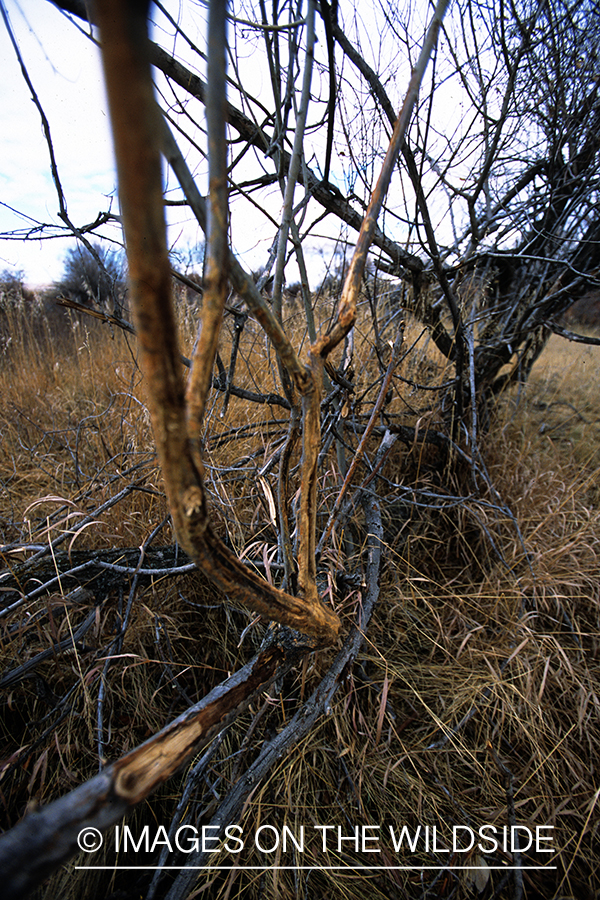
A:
[46,838]
[13,676]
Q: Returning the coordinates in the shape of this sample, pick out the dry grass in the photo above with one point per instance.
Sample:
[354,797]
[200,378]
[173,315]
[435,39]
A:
[477,689]
[74,429]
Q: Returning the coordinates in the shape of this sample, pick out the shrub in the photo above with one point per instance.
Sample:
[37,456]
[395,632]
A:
[95,276]
[12,289]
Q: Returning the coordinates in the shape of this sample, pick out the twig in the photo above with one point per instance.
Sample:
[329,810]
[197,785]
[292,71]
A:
[347,306]
[318,703]
[296,158]
[48,548]
[13,676]
[360,450]
[239,322]
[285,456]
[216,280]
[191,781]
[242,282]
[571,336]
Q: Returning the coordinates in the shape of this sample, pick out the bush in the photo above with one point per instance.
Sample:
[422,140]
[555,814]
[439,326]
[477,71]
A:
[94,277]
[12,290]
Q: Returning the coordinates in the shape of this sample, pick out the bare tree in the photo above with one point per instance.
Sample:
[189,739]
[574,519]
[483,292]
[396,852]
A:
[482,226]
[93,276]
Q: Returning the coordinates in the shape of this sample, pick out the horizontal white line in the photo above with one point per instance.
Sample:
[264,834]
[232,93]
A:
[323,868]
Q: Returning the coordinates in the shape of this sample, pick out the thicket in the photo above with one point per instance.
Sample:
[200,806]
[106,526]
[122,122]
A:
[478,682]
[394,609]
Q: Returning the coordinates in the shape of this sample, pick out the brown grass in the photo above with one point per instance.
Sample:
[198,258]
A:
[478,685]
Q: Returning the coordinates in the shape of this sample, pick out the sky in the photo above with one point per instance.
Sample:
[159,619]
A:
[65,70]
[66,75]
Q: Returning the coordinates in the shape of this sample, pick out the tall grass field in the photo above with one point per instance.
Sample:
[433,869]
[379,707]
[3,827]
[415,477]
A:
[475,702]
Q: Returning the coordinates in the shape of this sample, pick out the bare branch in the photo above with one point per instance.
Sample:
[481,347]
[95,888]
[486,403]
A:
[347,306]
[136,123]
[46,838]
[215,293]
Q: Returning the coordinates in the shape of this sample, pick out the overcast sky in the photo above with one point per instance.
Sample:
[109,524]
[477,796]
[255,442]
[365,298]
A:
[64,67]
[66,75]
[65,70]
